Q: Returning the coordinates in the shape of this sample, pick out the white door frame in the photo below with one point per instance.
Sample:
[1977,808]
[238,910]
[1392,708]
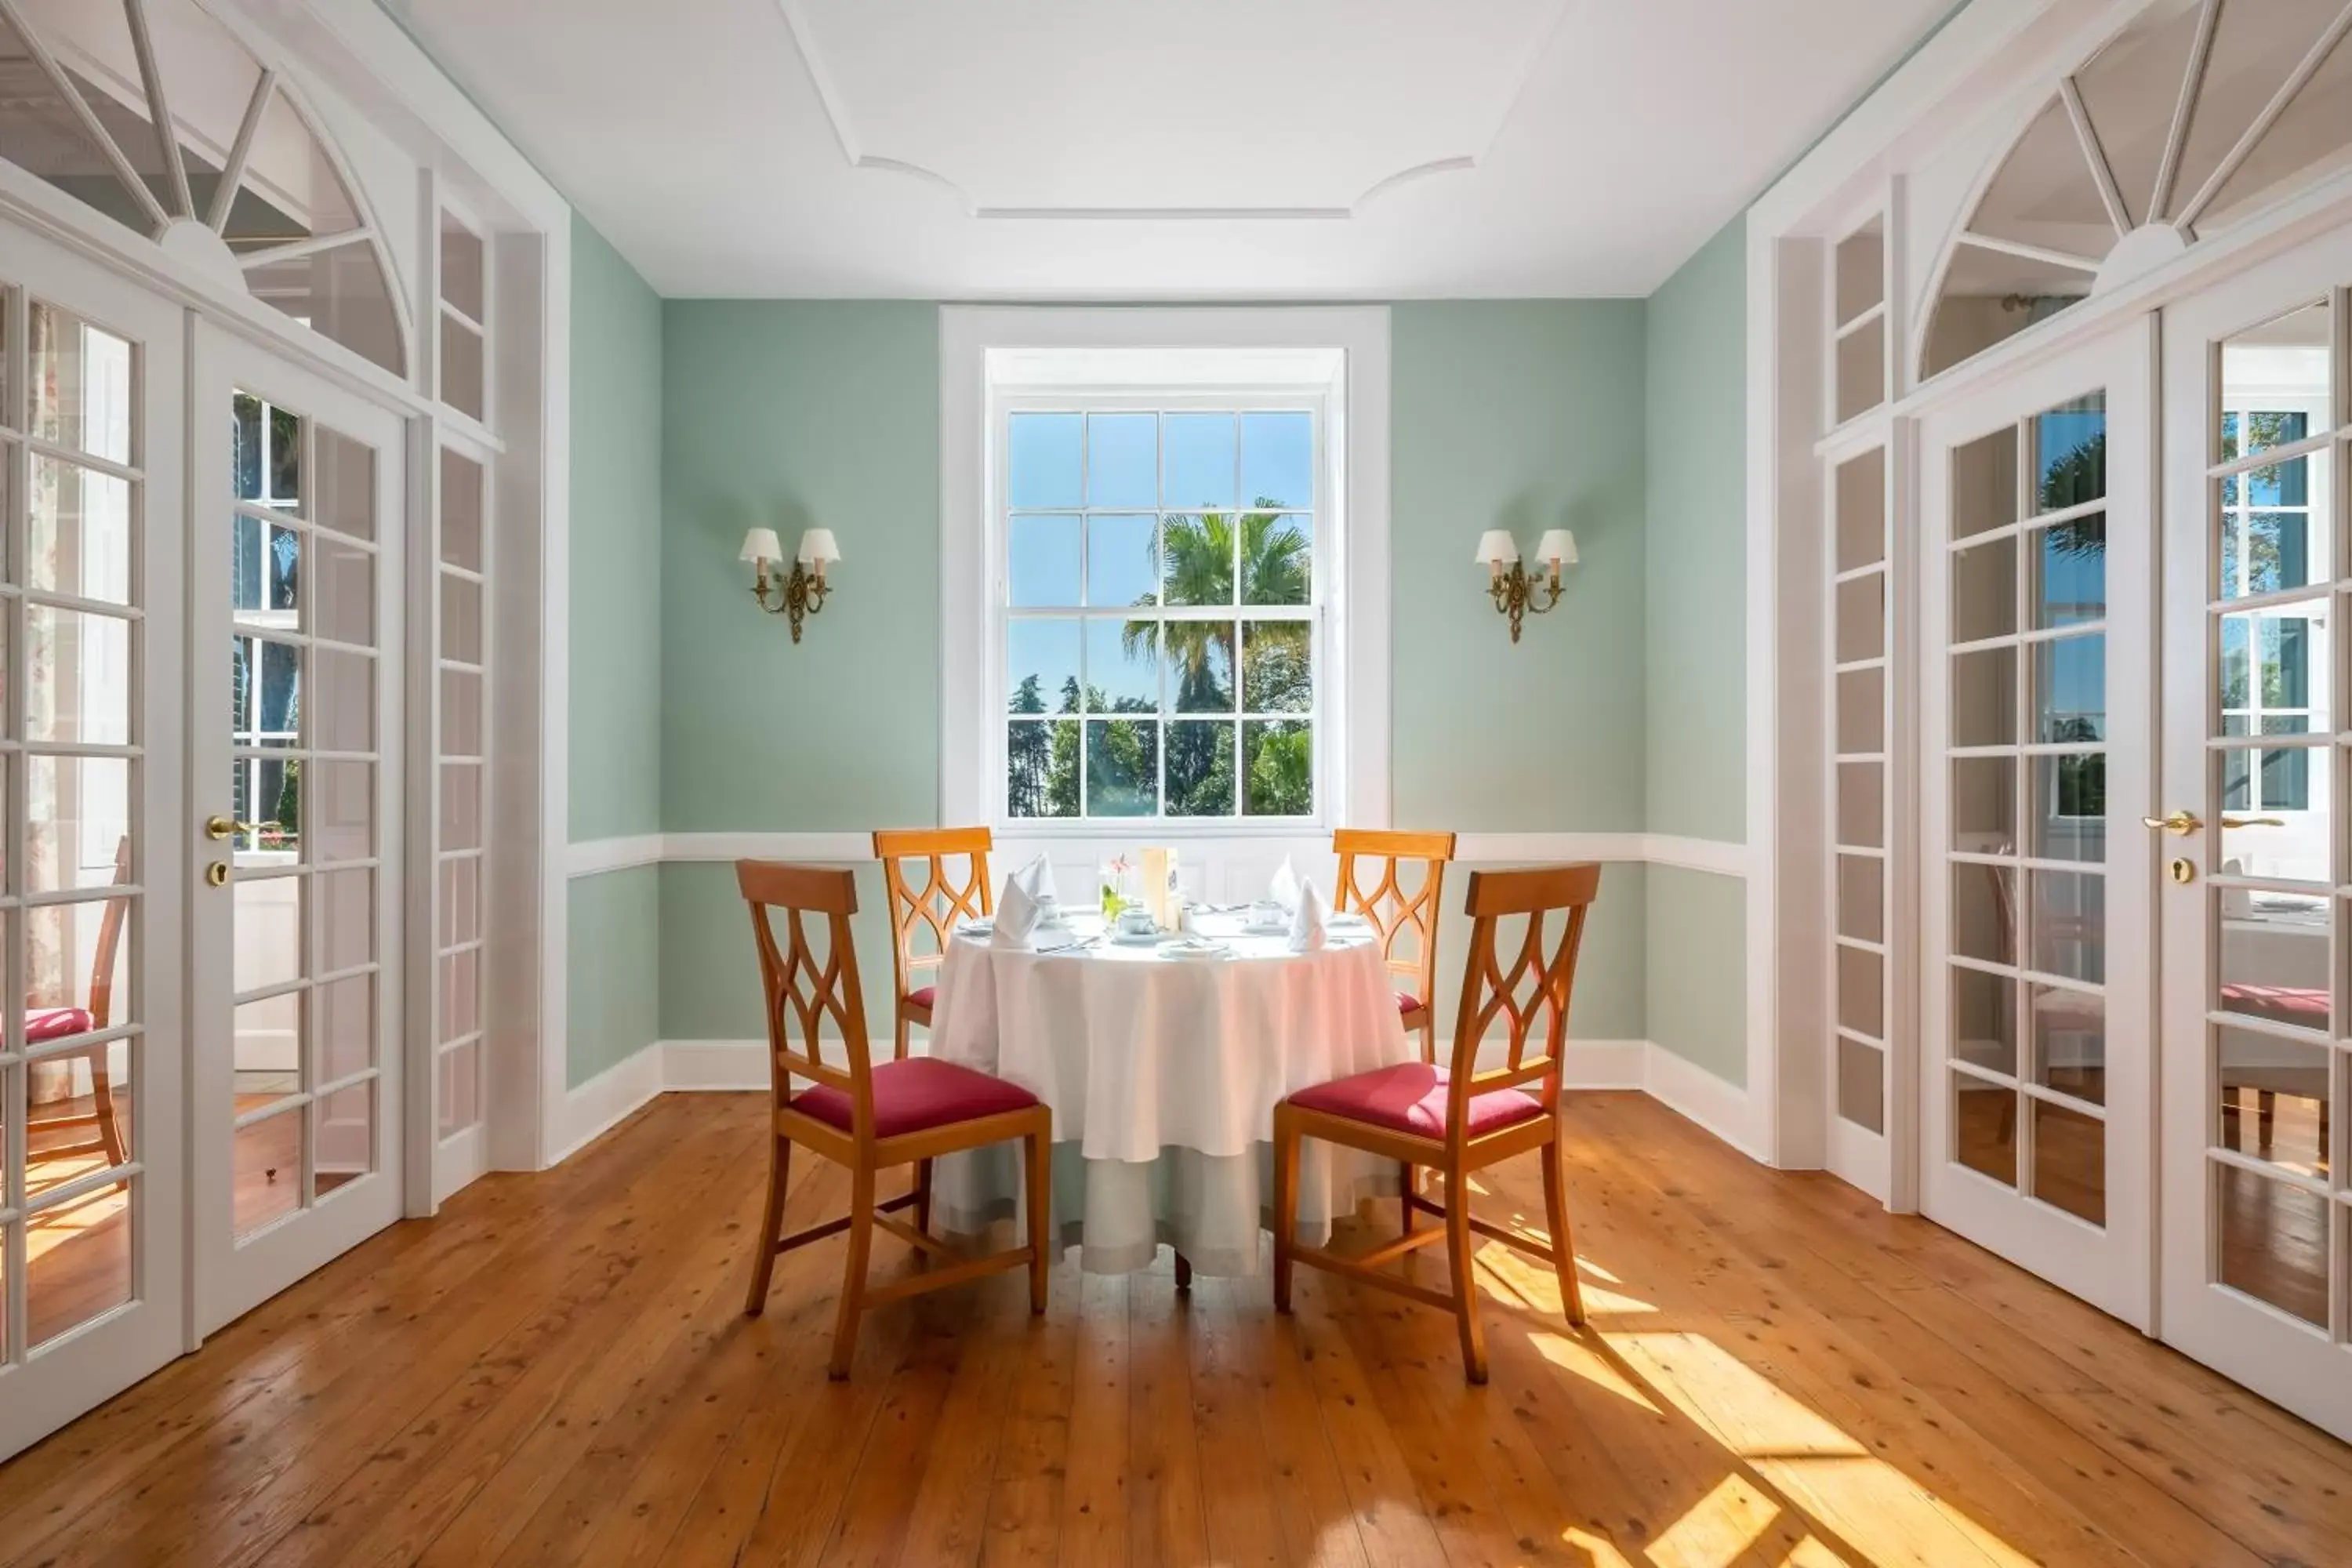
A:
[231,1277]
[98,1359]
[2278,1357]
[2109,1265]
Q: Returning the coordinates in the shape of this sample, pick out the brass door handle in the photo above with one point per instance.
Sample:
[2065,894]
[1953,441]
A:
[219,827]
[2253,822]
[2181,824]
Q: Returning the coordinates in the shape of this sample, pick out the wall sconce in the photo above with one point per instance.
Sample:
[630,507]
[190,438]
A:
[804,593]
[1513,593]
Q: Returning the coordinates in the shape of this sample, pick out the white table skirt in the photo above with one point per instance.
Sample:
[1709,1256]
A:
[1162,1076]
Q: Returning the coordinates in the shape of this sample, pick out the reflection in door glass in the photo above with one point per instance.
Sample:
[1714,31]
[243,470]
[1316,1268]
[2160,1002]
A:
[2070,454]
[2274,1241]
[2070,1161]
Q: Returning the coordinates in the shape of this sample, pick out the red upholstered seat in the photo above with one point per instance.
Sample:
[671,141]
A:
[2286,1004]
[1412,1098]
[917,1094]
[1407,1003]
[57,1022]
[923,996]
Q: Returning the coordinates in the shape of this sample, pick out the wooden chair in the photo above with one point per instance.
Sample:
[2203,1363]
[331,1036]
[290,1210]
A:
[46,1023]
[936,907]
[1393,912]
[871,1118]
[1416,1114]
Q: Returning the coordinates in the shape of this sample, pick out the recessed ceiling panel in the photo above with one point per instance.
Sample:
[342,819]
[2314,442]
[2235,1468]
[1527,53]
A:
[1178,106]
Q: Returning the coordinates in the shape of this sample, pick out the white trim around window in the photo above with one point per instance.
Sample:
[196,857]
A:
[988,354]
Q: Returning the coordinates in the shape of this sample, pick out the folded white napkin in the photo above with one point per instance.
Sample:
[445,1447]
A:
[1306,926]
[1037,878]
[1016,917]
[1285,888]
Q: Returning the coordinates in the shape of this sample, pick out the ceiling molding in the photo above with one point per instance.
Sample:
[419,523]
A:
[855,153]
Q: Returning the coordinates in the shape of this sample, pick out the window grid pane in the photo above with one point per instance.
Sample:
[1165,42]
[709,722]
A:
[1186,634]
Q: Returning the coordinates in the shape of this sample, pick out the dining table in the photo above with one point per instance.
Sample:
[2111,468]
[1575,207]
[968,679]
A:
[1162,1060]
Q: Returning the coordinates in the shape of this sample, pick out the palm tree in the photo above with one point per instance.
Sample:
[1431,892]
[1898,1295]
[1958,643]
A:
[1197,561]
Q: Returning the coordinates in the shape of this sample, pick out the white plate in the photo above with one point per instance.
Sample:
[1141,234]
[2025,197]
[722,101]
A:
[1138,938]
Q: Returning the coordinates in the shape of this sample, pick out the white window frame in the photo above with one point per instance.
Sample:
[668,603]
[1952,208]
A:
[992,357]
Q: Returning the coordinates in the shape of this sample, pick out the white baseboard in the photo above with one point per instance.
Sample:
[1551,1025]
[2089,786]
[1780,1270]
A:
[1698,1096]
[594,1108]
[686,1067]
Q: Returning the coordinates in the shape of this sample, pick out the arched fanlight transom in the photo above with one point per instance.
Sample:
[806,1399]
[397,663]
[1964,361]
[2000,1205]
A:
[2194,116]
[153,113]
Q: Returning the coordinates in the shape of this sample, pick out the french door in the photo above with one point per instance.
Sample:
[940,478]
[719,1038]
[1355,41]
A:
[2257,1253]
[294,700]
[2037,617]
[92,1217]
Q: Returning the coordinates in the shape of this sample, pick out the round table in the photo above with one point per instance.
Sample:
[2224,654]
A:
[1162,1074]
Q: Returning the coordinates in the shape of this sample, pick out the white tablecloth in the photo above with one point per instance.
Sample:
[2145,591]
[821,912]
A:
[1162,1074]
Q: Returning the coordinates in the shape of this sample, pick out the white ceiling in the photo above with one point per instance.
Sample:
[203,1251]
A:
[1158,148]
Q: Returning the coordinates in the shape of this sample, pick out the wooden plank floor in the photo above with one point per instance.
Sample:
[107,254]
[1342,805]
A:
[558,1371]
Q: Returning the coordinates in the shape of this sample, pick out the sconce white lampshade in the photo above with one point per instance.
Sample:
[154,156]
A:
[762,544]
[817,548]
[1559,548]
[1495,545]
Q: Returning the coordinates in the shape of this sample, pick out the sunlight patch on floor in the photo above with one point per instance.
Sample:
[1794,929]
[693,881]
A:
[1833,1478]
[1717,1528]
[1575,1357]
[54,1228]
[1537,1288]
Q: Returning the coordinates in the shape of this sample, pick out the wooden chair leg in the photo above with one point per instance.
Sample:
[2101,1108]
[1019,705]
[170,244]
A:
[772,1225]
[101,1089]
[1563,1245]
[1183,1272]
[1286,1205]
[923,1197]
[1409,1174]
[1039,1149]
[852,1283]
[2265,1118]
[1465,1283]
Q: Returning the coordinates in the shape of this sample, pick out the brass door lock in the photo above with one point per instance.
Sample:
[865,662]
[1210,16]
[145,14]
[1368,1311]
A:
[2184,871]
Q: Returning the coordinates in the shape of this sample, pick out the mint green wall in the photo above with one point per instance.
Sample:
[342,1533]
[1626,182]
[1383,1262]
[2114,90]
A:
[615,553]
[1695,645]
[1694,648]
[1524,414]
[788,415]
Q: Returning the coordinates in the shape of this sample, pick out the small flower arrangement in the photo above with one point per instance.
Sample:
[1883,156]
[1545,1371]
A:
[1114,874]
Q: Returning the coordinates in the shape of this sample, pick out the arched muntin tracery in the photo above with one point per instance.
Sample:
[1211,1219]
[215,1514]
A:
[2197,115]
[240,180]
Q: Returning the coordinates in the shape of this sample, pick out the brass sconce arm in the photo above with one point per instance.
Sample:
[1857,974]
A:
[801,595]
[1517,596]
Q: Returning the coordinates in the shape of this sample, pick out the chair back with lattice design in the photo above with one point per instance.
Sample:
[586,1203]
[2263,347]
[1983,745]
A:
[1398,912]
[1522,979]
[921,915]
[800,991]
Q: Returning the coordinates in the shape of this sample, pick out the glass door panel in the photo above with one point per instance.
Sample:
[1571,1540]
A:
[92,1037]
[2256,1276]
[2041,651]
[293,1096]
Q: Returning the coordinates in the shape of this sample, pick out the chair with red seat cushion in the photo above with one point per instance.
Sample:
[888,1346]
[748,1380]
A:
[922,918]
[870,1116]
[1455,1119]
[44,1026]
